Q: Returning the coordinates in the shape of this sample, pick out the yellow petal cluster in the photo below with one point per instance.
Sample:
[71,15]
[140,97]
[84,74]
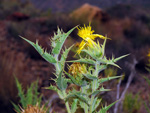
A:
[86,33]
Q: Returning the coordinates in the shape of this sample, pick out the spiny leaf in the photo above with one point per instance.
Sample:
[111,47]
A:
[74,106]
[89,76]
[102,67]
[93,104]
[64,56]
[106,108]
[74,80]
[85,60]
[29,95]
[69,81]
[110,62]
[117,59]
[89,52]
[97,103]
[60,39]
[78,95]
[17,109]
[82,98]
[21,93]
[98,91]
[61,82]
[103,46]
[84,106]
[47,56]
[54,88]
[36,97]
[103,60]
[107,79]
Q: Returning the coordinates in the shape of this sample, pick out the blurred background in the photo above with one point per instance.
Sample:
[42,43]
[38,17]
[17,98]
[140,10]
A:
[126,22]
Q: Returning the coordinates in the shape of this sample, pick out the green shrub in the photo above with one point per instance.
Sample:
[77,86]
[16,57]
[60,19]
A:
[131,103]
[31,97]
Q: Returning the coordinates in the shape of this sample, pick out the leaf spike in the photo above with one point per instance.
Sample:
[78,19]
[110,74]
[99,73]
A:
[116,59]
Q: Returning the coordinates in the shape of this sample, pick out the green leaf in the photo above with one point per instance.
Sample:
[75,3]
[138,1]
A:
[85,60]
[78,95]
[54,88]
[106,108]
[69,81]
[64,56]
[61,82]
[21,94]
[29,95]
[59,40]
[90,53]
[36,94]
[98,91]
[103,60]
[117,59]
[103,46]
[102,80]
[17,109]
[110,62]
[101,68]
[82,98]
[74,106]
[84,106]
[89,76]
[95,104]
[79,83]
[47,56]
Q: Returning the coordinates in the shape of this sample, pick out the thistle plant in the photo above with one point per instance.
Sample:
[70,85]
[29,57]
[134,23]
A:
[29,100]
[83,73]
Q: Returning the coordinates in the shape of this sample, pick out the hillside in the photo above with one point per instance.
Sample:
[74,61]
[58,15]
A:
[69,5]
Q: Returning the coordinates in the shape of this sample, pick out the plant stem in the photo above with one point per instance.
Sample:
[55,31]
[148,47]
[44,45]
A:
[91,104]
[66,103]
[94,86]
[57,67]
[67,106]
[58,70]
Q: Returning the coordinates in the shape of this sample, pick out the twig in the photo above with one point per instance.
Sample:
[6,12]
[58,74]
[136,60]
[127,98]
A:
[117,96]
[131,76]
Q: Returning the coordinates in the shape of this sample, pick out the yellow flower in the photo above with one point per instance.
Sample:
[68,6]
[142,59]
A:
[86,33]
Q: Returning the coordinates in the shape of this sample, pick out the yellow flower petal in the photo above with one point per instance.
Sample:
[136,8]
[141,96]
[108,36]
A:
[100,36]
[81,46]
